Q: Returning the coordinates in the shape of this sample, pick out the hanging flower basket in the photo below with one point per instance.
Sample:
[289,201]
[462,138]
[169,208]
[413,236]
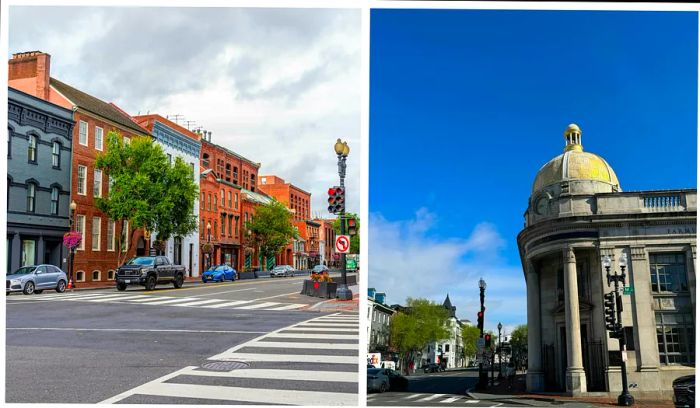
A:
[208,248]
[249,250]
[71,240]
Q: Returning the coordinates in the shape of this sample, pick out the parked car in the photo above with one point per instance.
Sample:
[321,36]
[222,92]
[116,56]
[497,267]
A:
[319,269]
[684,391]
[377,380]
[147,271]
[396,380]
[281,270]
[36,279]
[219,273]
[433,368]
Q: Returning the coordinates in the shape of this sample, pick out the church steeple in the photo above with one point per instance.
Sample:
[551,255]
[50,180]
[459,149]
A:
[448,305]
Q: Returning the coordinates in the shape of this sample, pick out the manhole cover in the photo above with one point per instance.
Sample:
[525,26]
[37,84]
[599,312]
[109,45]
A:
[225,365]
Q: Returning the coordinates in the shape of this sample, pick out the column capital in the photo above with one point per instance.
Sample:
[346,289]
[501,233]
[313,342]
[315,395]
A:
[638,253]
[607,251]
[693,248]
[569,256]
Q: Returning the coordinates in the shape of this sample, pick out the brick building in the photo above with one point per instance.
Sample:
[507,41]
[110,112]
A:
[96,259]
[228,175]
[326,242]
[299,202]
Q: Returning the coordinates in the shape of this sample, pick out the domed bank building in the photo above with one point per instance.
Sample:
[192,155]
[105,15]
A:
[578,215]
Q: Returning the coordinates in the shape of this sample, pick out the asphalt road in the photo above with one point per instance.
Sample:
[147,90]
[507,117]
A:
[92,346]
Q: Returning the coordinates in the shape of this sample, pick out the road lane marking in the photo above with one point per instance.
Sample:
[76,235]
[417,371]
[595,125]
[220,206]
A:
[110,299]
[288,307]
[198,302]
[291,358]
[471,401]
[151,298]
[329,324]
[321,329]
[258,306]
[274,374]
[175,300]
[134,330]
[284,294]
[314,346]
[226,291]
[413,396]
[450,400]
[234,303]
[313,336]
[431,397]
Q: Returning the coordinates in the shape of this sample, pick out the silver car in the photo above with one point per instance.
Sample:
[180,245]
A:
[377,380]
[282,270]
[35,279]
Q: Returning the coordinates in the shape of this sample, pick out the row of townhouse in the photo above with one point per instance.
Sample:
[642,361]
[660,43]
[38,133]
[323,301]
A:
[55,133]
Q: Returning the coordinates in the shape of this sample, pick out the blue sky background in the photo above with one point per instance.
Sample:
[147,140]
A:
[467,105]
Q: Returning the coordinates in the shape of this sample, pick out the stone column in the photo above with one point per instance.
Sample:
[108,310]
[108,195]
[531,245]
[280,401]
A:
[644,320]
[40,250]
[535,376]
[575,375]
[16,252]
[691,276]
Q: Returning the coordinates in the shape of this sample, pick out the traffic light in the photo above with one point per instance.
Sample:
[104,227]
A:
[352,226]
[336,200]
[487,339]
[480,320]
[609,305]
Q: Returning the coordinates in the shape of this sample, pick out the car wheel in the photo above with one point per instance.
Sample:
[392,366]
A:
[38,292]
[28,288]
[61,287]
[179,280]
[150,283]
[382,387]
[121,286]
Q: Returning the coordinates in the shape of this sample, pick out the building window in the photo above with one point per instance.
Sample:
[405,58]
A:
[99,138]
[205,160]
[97,183]
[252,182]
[127,141]
[82,181]
[125,236]
[110,235]
[56,155]
[110,184]
[203,200]
[96,276]
[216,200]
[96,230]
[83,133]
[235,201]
[209,202]
[80,227]
[54,200]
[223,225]
[110,275]
[223,198]
[31,197]
[230,200]
[28,252]
[230,225]
[170,159]
[668,273]
[31,149]
[80,276]
[675,334]
[214,228]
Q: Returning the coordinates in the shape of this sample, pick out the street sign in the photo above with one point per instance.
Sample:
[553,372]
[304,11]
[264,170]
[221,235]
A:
[480,343]
[351,265]
[628,290]
[342,244]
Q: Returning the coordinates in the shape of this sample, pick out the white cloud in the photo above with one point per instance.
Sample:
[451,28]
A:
[278,86]
[406,259]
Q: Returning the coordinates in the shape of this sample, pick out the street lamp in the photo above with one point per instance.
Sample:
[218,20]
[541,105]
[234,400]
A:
[500,359]
[342,150]
[625,398]
[73,206]
[483,375]
[209,242]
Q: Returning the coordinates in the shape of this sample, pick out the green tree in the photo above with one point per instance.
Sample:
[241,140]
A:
[469,335]
[518,343]
[271,229]
[145,191]
[355,239]
[423,322]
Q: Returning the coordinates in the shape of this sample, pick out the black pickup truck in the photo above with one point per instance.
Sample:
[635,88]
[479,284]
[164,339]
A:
[149,270]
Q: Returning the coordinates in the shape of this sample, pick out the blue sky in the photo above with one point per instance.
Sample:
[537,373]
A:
[467,105]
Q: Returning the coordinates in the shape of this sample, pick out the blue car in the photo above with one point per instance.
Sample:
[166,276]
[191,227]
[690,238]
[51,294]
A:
[219,273]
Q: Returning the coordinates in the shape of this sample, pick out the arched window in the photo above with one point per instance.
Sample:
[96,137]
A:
[31,149]
[96,276]
[56,155]
[31,196]
[54,200]
[80,276]
[205,160]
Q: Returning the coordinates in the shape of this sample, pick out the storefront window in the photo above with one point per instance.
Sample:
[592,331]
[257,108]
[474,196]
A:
[28,252]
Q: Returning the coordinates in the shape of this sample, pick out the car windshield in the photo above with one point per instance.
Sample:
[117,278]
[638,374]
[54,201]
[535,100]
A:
[142,260]
[221,268]
[278,268]
[24,270]
[319,268]
[374,370]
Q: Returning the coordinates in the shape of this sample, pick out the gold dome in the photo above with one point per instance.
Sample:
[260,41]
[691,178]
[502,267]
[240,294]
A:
[575,164]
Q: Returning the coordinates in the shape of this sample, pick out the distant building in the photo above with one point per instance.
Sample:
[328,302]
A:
[449,351]
[578,215]
[326,242]
[379,317]
[38,180]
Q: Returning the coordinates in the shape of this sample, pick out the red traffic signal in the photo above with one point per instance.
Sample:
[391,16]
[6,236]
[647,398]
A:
[336,199]
[352,226]
[487,339]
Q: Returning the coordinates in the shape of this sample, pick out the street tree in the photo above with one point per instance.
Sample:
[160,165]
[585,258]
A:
[423,322]
[145,191]
[355,239]
[518,343]
[470,334]
[271,229]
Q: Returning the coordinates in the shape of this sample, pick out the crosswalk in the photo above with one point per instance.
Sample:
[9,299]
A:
[286,366]
[419,399]
[196,302]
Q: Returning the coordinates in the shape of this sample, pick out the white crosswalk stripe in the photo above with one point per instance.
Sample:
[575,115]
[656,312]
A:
[177,301]
[184,384]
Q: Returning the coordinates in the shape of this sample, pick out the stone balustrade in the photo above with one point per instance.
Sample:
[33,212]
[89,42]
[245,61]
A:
[647,201]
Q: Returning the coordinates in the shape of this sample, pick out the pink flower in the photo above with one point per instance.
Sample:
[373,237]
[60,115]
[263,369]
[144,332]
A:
[72,239]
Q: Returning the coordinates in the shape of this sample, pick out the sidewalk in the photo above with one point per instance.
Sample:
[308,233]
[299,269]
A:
[335,305]
[501,391]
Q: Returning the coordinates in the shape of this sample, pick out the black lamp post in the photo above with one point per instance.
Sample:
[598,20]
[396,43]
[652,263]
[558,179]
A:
[625,398]
[500,358]
[342,150]
[208,242]
[483,375]
[73,206]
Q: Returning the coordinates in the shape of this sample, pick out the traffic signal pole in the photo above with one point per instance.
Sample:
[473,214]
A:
[483,375]
[342,150]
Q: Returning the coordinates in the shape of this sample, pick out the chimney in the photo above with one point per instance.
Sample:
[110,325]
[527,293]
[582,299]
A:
[32,64]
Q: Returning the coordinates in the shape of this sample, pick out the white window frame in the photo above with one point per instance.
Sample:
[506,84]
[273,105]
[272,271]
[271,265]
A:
[82,185]
[80,227]
[110,235]
[101,132]
[96,221]
[111,273]
[97,182]
[83,136]
[56,200]
[56,155]
[99,275]
[78,274]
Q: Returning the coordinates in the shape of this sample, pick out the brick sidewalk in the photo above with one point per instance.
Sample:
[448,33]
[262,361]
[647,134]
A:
[335,305]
